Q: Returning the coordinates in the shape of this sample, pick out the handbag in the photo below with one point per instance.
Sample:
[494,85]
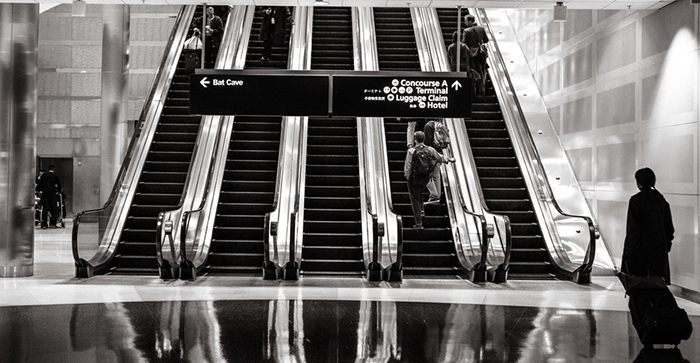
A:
[193,43]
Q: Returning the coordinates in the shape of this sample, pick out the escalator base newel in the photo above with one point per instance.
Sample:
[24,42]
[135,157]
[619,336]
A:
[374,272]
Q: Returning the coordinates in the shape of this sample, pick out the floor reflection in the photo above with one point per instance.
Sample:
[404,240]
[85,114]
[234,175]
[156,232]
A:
[319,331]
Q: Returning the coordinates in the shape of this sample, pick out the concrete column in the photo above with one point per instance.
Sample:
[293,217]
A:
[115,95]
[19,34]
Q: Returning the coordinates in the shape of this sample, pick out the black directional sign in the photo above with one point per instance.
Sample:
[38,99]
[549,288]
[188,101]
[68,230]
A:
[241,93]
[328,94]
[425,95]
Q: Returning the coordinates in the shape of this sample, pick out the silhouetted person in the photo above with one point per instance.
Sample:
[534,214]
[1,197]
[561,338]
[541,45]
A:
[213,30]
[473,36]
[273,30]
[50,187]
[649,230]
[463,55]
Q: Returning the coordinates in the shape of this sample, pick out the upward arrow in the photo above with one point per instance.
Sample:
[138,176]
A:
[456,85]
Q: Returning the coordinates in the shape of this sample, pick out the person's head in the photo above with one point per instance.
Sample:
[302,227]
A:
[41,171]
[469,19]
[52,168]
[454,37]
[645,177]
[210,11]
[419,136]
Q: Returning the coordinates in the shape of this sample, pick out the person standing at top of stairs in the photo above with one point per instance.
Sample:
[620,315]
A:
[273,28]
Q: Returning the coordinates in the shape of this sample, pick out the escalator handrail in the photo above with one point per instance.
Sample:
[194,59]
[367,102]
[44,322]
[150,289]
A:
[530,148]
[368,60]
[163,73]
[301,16]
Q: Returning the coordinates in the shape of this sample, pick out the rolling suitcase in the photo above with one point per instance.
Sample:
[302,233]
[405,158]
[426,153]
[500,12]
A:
[655,313]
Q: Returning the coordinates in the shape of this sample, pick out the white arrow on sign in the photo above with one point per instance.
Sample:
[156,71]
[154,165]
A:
[204,82]
[456,85]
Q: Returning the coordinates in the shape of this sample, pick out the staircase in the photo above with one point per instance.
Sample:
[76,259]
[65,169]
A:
[247,194]
[162,180]
[396,42]
[332,242]
[332,39]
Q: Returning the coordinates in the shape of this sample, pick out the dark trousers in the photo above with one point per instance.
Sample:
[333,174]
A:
[478,64]
[49,204]
[268,43]
[416,184]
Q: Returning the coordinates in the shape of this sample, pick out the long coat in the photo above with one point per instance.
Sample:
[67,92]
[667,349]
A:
[279,28]
[649,235]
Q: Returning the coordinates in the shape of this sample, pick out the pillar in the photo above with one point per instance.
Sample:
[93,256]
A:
[115,95]
[19,34]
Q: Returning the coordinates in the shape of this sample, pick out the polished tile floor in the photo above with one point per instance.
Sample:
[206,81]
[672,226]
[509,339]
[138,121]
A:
[54,317]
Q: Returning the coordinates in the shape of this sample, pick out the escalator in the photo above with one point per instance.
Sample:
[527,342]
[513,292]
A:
[247,193]
[248,185]
[501,180]
[278,60]
[430,251]
[162,180]
[396,42]
[332,211]
[332,243]
[332,39]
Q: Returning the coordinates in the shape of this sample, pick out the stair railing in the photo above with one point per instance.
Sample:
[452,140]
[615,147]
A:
[116,208]
[544,201]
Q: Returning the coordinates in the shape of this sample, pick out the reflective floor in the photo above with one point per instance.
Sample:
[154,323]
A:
[53,317]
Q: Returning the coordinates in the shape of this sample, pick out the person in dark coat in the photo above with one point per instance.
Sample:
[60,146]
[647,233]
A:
[463,55]
[213,31]
[50,186]
[473,36]
[273,30]
[649,230]
[416,183]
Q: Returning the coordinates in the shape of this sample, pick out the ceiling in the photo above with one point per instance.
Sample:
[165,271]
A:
[520,4]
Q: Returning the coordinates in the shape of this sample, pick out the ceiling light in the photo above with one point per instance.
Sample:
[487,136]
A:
[321,2]
[559,12]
